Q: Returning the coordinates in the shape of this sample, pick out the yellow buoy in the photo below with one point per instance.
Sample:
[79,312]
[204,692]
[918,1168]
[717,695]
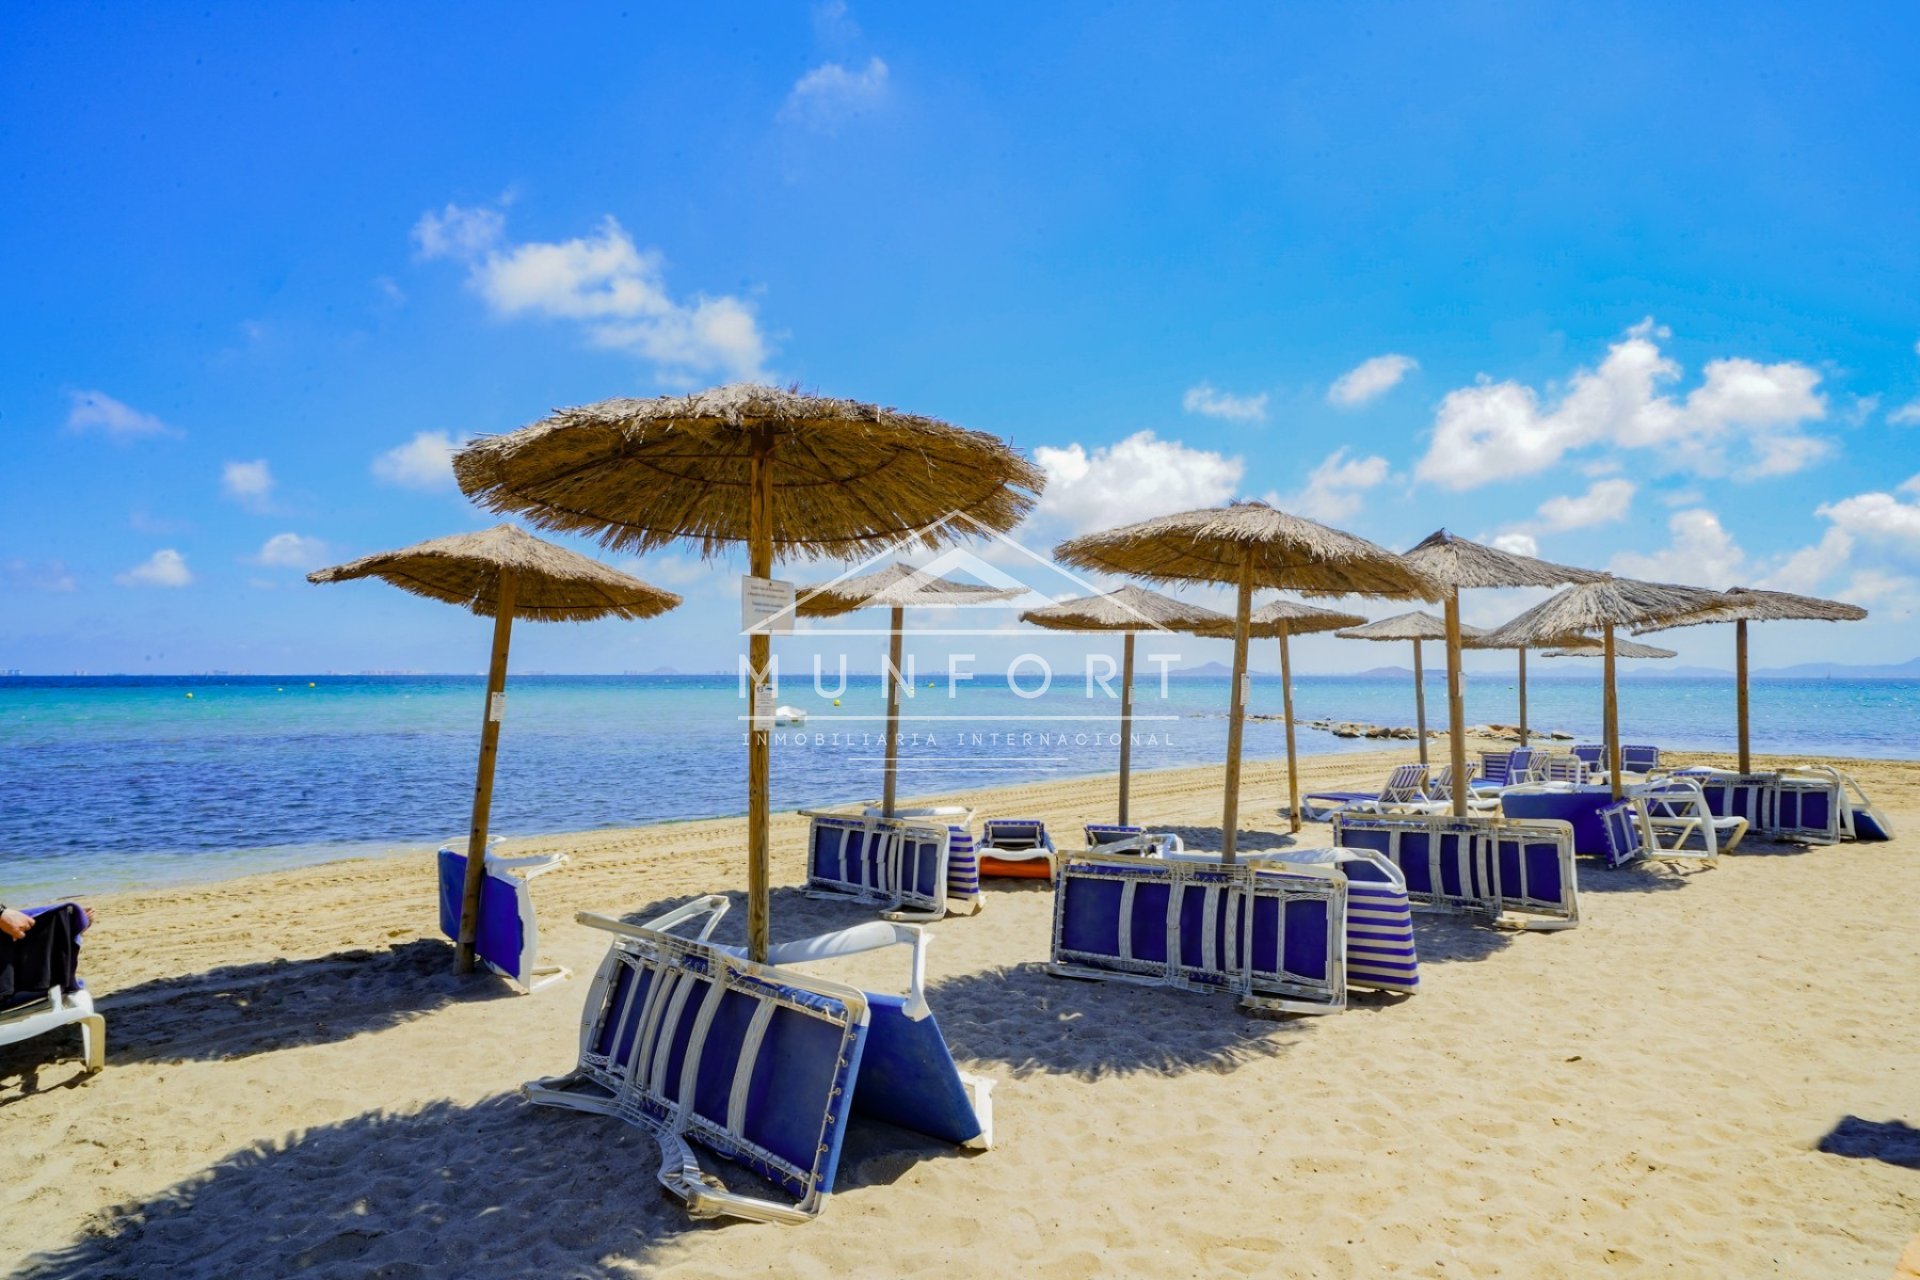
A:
[836,702]
[189,695]
[309,684]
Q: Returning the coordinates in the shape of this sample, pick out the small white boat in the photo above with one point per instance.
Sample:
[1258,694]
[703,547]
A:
[789,715]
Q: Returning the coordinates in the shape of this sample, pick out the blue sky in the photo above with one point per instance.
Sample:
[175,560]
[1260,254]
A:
[1632,285]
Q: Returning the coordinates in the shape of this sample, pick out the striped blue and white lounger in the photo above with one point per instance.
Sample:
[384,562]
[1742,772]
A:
[1518,872]
[1380,945]
[762,1065]
[506,936]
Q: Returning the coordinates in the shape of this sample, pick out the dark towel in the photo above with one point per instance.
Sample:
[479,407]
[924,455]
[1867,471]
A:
[49,956]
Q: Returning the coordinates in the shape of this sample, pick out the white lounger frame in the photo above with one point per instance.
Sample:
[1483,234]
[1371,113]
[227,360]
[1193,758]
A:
[639,1092]
[1474,847]
[60,1008]
[1242,883]
[890,850]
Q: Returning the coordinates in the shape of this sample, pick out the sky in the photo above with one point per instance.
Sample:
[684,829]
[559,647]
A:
[1632,286]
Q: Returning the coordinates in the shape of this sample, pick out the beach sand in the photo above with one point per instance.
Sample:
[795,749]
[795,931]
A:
[296,1083]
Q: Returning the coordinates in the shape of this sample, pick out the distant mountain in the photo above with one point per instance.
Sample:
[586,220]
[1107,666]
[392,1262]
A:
[1908,670]
[1202,671]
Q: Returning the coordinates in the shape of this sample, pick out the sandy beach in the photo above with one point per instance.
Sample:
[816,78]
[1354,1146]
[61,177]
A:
[297,1084]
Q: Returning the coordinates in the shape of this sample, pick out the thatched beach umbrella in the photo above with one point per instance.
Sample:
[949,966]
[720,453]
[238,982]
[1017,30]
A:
[898,587]
[1417,627]
[1570,617]
[1460,563]
[786,473]
[1749,604]
[503,574]
[1280,620]
[1251,545]
[1594,648]
[1129,610]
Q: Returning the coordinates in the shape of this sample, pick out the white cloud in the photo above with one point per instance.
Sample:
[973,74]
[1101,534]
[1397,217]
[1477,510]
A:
[1336,488]
[291,551]
[1700,552]
[424,462]
[459,232]
[1136,479]
[1520,544]
[832,24]
[613,290]
[830,94]
[164,568]
[25,575]
[1369,380]
[1880,518]
[248,483]
[1502,430]
[1907,415]
[1204,399]
[1604,502]
[1804,570]
[97,411]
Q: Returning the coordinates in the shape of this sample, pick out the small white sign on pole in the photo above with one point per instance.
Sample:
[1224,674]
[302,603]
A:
[497,706]
[766,604]
[762,714]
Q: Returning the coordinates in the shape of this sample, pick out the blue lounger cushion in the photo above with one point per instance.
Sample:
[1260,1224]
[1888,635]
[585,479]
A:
[506,936]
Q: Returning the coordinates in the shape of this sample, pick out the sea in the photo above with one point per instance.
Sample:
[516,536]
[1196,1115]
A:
[127,782]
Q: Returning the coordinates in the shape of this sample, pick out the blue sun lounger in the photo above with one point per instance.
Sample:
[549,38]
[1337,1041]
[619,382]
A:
[1406,785]
[1516,873]
[1274,936]
[902,865]
[34,1013]
[507,939]
[1380,947]
[762,1065]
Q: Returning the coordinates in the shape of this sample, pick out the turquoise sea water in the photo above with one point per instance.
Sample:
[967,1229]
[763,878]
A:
[121,782]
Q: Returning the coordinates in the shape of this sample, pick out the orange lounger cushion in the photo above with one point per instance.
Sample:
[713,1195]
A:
[1016,868]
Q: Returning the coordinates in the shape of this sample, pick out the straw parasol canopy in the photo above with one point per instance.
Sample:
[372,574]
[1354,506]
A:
[1572,615]
[1750,604]
[1128,610]
[1417,627]
[805,475]
[1593,648]
[1252,545]
[1215,544]
[1281,620]
[899,587]
[640,474]
[552,584]
[1462,563]
[502,573]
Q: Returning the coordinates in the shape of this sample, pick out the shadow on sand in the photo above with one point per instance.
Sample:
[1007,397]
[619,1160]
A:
[492,1191]
[241,1010]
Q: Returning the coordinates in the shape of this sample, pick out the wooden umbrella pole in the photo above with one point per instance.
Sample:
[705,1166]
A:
[1740,693]
[1126,721]
[759,729]
[1236,718]
[1612,726]
[483,776]
[1456,708]
[1420,701]
[892,766]
[1293,771]
[1523,695]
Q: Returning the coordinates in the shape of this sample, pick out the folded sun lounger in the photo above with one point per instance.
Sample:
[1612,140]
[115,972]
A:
[1272,934]
[763,1065]
[34,1013]
[1519,873]
[507,938]
[1114,837]
[1380,948]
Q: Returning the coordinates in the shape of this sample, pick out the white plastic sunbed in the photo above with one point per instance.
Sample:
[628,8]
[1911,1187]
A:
[55,1009]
